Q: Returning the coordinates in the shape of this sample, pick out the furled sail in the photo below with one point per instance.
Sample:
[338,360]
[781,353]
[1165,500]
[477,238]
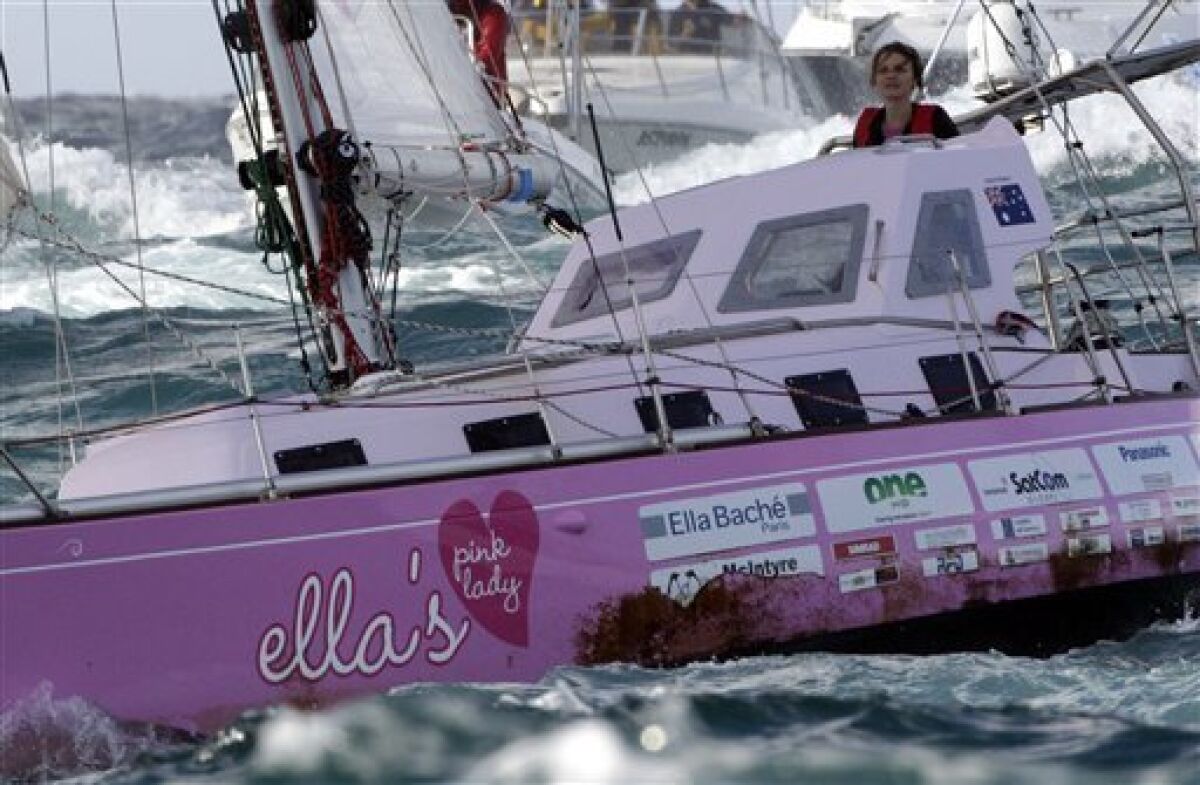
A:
[405,76]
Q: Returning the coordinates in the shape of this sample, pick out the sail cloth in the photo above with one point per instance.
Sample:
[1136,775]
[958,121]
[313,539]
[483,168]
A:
[12,184]
[405,76]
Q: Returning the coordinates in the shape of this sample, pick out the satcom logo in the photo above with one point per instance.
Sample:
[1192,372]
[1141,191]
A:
[1038,481]
[892,486]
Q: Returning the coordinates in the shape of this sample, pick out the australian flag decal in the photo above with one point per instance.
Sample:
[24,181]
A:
[1009,205]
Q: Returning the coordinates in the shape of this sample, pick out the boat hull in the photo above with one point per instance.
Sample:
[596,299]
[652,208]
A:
[982,532]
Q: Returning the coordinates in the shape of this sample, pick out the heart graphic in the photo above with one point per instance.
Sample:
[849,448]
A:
[490,562]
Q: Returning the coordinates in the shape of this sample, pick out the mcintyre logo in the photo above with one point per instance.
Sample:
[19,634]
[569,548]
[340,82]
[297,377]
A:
[1130,454]
[892,486]
[1039,482]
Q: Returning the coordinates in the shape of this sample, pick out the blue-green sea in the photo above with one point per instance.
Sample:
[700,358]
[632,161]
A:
[1114,712]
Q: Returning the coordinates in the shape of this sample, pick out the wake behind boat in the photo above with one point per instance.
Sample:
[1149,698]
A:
[804,408]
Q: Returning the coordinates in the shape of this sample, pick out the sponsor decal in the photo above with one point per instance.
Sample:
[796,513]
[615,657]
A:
[321,637]
[952,562]
[1185,506]
[1086,518]
[870,578]
[1146,537]
[1189,532]
[1027,553]
[1147,464]
[1140,510]
[726,521]
[894,496]
[1035,479]
[682,582]
[1018,526]
[1089,545]
[946,536]
[489,562]
[884,545]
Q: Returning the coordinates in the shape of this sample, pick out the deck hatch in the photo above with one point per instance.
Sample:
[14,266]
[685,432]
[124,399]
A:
[690,409]
[947,380]
[821,413]
[506,433]
[315,457]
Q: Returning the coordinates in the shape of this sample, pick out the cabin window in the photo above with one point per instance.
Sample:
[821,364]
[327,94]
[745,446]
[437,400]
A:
[947,222]
[654,267]
[809,259]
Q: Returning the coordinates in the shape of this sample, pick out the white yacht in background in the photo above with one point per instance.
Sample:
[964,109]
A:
[662,82]
[832,34]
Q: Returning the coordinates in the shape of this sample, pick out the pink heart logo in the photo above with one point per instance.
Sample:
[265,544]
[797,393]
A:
[490,562]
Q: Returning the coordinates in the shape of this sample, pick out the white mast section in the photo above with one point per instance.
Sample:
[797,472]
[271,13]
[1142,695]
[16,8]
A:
[353,328]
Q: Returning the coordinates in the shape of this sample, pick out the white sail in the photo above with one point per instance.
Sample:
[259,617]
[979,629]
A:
[405,75]
[12,184]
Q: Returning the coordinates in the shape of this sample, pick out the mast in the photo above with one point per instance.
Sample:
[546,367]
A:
[423,125]
[318,160]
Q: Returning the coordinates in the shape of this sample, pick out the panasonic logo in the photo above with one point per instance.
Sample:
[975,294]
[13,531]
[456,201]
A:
[1132,454]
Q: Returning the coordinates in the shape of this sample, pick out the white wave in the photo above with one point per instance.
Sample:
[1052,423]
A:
[719,161]
[1109,129]
[44,737]
[587,750]
[1104,122]
[86,289]
[191,197]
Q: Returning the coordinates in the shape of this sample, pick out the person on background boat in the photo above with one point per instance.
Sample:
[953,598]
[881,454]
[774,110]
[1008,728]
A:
[895,76]
[636,25]
[695,26]
[490,20]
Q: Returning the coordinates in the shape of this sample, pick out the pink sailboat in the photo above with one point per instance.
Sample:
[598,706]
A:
[799,409]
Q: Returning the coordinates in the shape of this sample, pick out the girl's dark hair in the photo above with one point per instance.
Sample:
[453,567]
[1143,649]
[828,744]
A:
[905,51]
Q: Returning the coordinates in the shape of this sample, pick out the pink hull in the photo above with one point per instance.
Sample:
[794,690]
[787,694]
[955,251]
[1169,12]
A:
[187,618]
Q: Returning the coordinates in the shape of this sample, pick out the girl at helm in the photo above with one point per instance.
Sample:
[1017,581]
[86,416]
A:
[895,76]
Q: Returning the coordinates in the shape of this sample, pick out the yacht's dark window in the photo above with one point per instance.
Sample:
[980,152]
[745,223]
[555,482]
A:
[809,259]
[654,267]
[690,409]
[947,379]
[315,457]
[827,399]
[947,222]
[505,433]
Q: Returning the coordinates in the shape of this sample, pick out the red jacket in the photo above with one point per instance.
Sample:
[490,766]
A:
[926,119]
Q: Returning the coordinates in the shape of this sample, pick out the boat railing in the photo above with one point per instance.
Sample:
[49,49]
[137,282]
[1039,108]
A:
[364,476]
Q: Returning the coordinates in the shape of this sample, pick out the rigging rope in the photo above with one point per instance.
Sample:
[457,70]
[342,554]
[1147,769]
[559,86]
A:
[71,244]
[62,354]
[137,232]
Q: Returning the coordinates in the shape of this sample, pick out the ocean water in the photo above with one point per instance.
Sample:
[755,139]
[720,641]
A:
[1125,712]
